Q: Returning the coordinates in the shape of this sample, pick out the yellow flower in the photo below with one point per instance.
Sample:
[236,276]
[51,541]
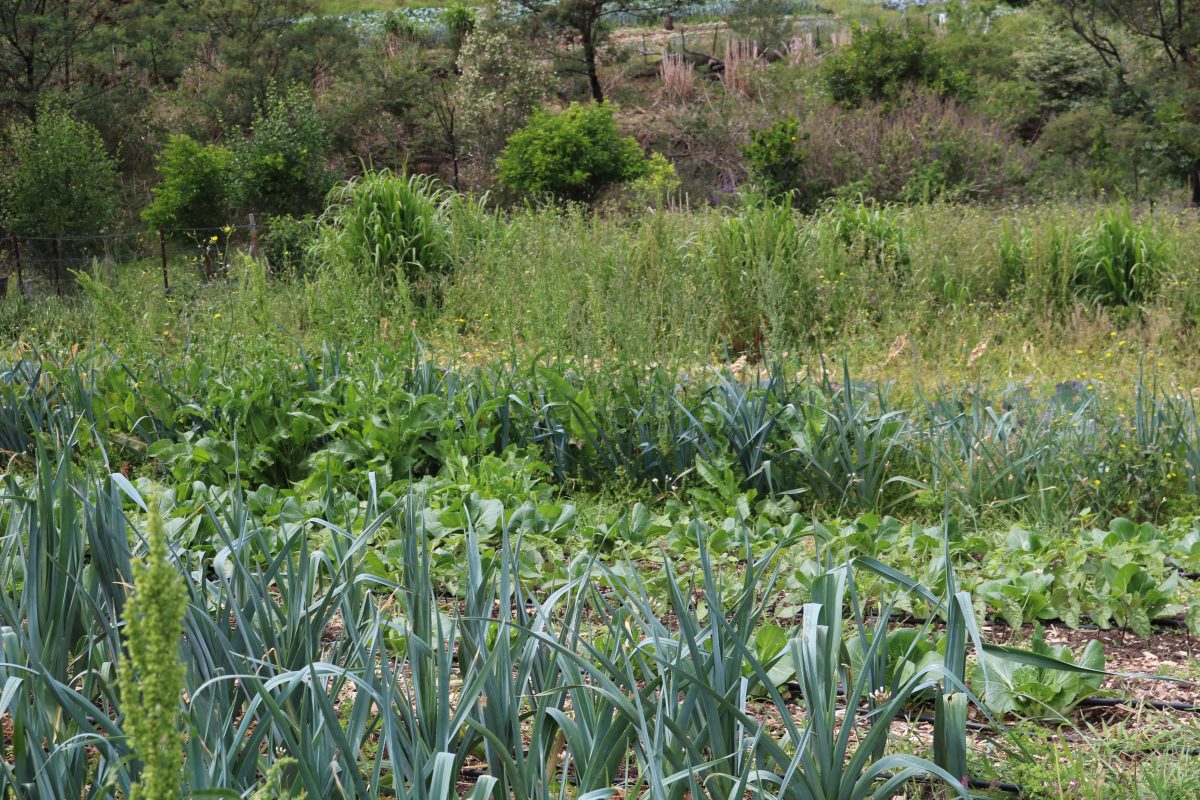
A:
[1097,481]
[214,238]
[217,315]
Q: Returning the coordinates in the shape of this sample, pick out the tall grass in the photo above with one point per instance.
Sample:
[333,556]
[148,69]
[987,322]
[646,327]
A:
[677,284]
[390,229]
[677,287]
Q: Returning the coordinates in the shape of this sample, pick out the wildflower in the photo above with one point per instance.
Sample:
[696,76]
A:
[217,315]
[213,239]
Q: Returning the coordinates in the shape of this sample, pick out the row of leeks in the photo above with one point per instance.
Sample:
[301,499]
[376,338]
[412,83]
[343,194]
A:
[304,667]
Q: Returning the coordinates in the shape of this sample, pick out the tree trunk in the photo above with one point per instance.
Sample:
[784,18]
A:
[589,60]
[1194,180]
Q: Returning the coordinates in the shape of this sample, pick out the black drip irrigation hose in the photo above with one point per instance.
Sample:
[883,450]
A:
[970,783]
[930,719]
[1160,705]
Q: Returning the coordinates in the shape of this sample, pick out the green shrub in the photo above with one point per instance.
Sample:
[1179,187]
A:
[287,242]
[571,155]
[58,178]
[926,148]
[503,81]
[280,167]
[191,193]
[394,228]
[1117,261]
[657,186]
[880,63]
[152,680]
[1065,72]
[775,158]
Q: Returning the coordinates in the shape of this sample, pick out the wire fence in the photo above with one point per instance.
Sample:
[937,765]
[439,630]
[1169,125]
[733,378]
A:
[48,264]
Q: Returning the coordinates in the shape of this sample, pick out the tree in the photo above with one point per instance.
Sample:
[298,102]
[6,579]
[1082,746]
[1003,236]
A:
[502,83]
[767,23]
[1165,34]
[59,180]
[588,21]
[40,43]
[881,63]
[571,155]
[280,167]
[192,192]
[159,37]
[259,44]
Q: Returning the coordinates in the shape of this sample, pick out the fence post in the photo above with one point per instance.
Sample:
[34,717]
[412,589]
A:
[253,238]
[17,256]
[58,256]
[162,248]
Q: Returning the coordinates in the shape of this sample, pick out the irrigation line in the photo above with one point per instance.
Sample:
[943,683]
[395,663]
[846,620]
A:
[970,783]
[1159,705]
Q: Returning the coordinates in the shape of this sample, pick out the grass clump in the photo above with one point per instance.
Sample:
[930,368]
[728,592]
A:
[390,228]
[1118,261]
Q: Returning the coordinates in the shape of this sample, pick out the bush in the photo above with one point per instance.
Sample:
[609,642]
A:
[503,81]
[287,243]
[1090,146]
[391,227]
[880,64]
[58,179]
[925,149]
[192,191]
[280,167]
[657,187]
[1065,72]
[571,155]
[775,158]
